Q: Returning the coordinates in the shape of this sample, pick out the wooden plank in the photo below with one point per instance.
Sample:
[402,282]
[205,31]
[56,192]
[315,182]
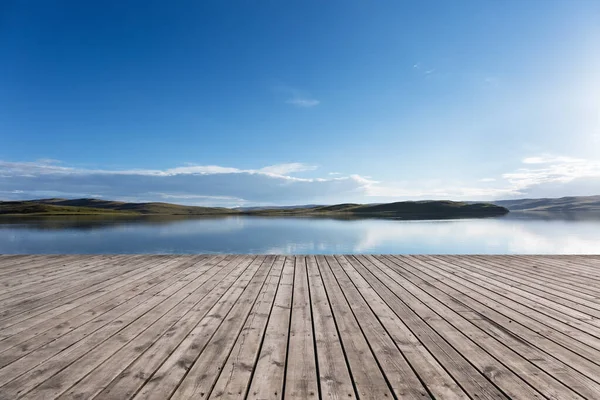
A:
[437,380]
[31,299]
[234,379]
[30,281]
[497,269]
[397,370]
[35,263]
[19,322]
[520,325]
[576,340]
[532,365]
[300,374]
[269,370]
[199,383]
[177,366]
[538,285]
[334,376]
[552,306]
[571,278]
[47,274]
[566,265]
[105,325]
[151,349]
[69,300]
[455,327]
[51,329]
[89,375]
[418,318]
[369,381]
[122,330]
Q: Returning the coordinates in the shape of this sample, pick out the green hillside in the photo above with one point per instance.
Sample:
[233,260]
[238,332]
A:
[33,208]
[95,206]
[400,210]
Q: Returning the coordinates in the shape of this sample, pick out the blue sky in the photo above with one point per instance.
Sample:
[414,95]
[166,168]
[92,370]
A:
[290,102]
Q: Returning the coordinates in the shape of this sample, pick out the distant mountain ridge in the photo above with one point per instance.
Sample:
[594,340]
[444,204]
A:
[401,210]
[427,209]
[562,204]
[96,206]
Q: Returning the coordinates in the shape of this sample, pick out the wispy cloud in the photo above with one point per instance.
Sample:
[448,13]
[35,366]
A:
[539,176]
[548,169]
[550,159]
[298,98]
[303,102]
[420,69]
[285,169]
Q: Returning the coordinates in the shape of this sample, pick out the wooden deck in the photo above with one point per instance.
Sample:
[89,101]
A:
[270,327]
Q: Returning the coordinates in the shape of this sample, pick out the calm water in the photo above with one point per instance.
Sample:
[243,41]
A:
[515,233]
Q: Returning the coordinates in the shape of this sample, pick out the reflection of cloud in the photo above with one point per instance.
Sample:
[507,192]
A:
[309,236]
[481,236]
[213,226]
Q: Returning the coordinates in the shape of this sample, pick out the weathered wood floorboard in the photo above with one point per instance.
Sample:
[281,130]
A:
[322,327]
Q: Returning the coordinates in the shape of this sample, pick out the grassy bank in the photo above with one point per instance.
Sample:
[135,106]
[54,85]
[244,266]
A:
[399,210]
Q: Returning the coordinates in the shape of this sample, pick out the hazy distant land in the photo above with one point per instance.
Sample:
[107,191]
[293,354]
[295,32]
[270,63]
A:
[562,205]
[399,210]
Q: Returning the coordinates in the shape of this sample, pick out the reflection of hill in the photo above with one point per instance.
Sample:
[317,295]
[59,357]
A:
[554,216]
[92,222]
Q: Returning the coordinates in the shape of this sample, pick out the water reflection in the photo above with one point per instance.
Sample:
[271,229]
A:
[515,233]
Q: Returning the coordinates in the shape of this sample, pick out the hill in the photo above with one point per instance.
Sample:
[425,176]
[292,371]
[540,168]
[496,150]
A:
[95,206]
[563,204]
[33,208]
[399,210]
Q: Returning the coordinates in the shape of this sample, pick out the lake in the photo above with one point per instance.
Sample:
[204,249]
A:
[514,233]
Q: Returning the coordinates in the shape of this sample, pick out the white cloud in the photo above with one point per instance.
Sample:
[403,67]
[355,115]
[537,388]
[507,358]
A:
[284,169]
[423,70]
[211,184]
[303,102]
[453,192]
[550,159]
[196,196]
[539,176]
[549,169]
[298,98]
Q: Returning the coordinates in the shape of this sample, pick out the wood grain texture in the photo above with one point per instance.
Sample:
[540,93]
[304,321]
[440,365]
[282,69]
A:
[322,327]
